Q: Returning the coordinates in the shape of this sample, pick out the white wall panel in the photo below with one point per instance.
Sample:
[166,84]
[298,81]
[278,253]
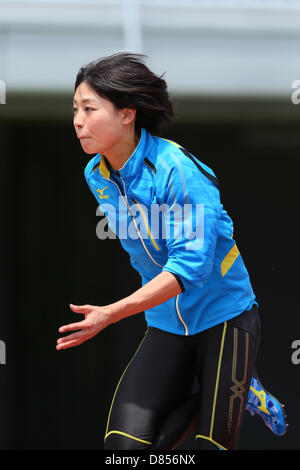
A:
[206,48]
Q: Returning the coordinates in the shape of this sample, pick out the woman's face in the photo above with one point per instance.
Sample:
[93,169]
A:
[98,124]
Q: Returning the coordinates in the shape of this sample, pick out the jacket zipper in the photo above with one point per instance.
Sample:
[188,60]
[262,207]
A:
[186,331]
[136,227]
[142,241]
[146,224]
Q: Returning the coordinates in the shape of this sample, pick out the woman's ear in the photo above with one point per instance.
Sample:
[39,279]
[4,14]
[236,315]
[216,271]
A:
[128,115]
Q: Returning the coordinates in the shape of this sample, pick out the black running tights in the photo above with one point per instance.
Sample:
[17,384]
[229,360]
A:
[155,390]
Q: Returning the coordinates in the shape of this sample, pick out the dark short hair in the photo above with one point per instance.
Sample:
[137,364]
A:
[126,81]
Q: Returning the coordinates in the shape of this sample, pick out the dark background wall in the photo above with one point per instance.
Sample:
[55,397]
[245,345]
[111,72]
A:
[50,257]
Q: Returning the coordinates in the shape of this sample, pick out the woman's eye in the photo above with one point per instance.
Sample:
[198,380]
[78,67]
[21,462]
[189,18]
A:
[86,109]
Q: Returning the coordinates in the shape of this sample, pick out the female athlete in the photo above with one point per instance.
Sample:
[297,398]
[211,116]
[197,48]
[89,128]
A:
[202,317]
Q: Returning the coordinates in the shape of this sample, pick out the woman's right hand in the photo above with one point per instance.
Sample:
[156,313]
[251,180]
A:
[95,319]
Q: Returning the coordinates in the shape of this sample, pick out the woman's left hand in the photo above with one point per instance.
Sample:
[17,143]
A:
[96,319]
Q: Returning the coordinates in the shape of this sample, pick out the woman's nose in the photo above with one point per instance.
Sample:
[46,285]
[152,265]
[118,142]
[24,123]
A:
[78,120]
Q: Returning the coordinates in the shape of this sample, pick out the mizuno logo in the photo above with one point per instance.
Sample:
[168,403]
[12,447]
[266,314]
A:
[101,195]
[262,397]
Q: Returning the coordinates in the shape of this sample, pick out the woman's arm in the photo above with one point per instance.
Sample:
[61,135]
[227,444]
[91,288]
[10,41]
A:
[160,289]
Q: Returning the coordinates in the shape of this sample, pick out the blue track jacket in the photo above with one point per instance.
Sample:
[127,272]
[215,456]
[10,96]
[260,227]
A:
[164,206]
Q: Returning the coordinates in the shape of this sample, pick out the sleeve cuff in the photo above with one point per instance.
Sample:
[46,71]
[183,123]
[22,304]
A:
[178,280]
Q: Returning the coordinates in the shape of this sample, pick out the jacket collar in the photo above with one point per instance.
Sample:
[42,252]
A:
[132,166]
